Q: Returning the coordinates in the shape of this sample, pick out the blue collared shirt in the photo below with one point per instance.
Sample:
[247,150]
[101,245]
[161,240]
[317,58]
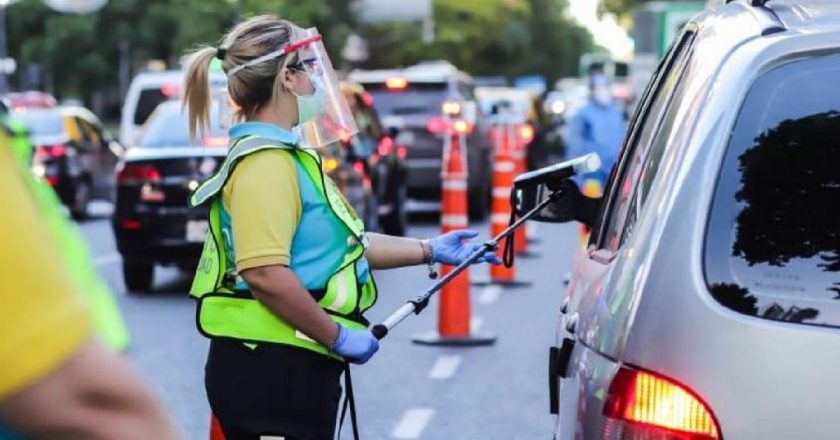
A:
[320,241]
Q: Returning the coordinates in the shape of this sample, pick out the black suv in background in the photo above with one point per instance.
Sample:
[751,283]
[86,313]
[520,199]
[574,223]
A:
[411,102]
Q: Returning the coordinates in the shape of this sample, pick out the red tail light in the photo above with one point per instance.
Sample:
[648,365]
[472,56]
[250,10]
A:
[131,224]
[51,180]
[386,146]
[170,90]
[50,151]
[367,98]
[137,173]
[655,408]
[437,125]
[402,152]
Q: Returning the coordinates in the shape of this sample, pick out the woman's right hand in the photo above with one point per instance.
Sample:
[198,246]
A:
[357,346]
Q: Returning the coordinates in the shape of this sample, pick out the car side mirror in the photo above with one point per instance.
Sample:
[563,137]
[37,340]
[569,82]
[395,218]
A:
[527,198]
[532,189]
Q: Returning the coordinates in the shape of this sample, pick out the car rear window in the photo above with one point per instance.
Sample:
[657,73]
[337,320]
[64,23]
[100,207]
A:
[147,103]
[773,240]
[168,127]
[413,99]
[43,123]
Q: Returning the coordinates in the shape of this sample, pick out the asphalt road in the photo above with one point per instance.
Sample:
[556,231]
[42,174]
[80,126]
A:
[407,391]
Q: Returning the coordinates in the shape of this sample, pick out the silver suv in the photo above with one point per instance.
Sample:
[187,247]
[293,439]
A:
[707,305]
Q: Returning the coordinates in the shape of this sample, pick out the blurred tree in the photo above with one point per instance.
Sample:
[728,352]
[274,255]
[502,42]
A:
[620,7]
[487,37]
[79,55]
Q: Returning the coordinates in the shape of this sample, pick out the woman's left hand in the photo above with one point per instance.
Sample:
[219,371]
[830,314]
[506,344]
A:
[454,248]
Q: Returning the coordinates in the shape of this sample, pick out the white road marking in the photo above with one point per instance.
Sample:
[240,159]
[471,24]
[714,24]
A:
[489,294]
[412,423]
[104,260]
[475,324]
[445,367]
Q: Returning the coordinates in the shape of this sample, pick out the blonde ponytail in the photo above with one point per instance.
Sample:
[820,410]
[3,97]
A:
[197,89]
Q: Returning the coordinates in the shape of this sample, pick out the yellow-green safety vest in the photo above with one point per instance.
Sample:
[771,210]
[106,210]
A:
[223,312]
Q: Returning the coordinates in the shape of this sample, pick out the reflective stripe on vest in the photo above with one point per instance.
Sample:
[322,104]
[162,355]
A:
[222,312]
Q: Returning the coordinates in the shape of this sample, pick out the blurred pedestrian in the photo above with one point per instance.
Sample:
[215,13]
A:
[57,380]
[598,127]
[285,277]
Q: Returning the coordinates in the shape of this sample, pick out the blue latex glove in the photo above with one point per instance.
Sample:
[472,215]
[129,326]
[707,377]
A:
[356,346]
[453,248]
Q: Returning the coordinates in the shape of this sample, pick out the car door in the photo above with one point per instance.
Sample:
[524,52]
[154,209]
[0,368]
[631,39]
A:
[577,357]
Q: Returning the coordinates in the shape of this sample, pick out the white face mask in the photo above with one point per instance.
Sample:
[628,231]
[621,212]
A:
[602,95]
[310,106]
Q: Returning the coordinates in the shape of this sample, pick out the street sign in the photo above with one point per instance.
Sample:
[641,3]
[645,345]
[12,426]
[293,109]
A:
[8,66]
[76,6]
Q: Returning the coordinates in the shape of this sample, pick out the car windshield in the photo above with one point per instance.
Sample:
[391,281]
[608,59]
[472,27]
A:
[413,99]
[168,127]
[772,246]
[43,123]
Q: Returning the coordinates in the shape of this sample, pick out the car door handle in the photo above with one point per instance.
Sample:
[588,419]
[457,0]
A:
[571,322]
[558,364]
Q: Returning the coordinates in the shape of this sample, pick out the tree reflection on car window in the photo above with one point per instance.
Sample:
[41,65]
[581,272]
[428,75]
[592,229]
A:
[773,239]
[790,185]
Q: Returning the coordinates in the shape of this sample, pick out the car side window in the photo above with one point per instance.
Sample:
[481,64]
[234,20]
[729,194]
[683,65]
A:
[652,161]
[93,134]
[74,131]
[632,166]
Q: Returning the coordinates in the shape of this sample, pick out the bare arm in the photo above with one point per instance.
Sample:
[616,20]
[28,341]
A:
[93,395]
[387,251]
[279,289]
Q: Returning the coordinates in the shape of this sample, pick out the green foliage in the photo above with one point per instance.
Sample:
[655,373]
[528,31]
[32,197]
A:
[487,37]
[80,55]
[621,7]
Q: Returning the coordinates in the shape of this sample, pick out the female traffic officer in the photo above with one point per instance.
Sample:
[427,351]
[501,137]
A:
[285,276]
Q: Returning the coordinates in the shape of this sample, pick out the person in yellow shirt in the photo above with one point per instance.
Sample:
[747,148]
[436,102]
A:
[286,274]
[57,381]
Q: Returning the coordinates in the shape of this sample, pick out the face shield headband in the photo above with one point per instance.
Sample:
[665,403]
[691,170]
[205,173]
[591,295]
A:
[289,48]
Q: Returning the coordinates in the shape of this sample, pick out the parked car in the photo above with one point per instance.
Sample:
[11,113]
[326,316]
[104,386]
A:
[411,101]
[147,91]
[152,222]
[30,99]
[706,304]
[73,153]
[378,161]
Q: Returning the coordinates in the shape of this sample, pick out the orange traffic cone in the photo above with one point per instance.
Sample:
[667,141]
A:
[216,429]
[454,308]
[503,175]
[520,161]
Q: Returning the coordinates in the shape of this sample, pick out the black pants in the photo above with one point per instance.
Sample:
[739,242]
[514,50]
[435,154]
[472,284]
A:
[273,390]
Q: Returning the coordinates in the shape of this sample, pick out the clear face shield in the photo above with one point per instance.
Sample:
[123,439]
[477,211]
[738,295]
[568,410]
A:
[325,115]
